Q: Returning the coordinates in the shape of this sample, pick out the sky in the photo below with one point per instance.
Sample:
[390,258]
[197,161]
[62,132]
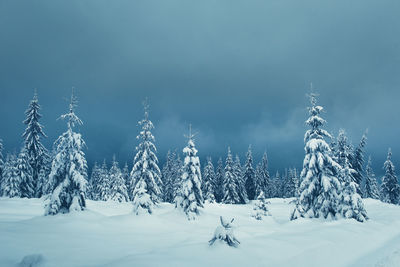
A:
[238,71]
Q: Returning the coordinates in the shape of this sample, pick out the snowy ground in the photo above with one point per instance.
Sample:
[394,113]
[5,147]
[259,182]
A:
[107,234]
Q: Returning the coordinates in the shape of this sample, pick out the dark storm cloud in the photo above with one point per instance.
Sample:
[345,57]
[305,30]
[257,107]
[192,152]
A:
[237,70]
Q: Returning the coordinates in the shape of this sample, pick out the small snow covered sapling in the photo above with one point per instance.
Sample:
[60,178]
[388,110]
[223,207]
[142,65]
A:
[260,208]
[225,234]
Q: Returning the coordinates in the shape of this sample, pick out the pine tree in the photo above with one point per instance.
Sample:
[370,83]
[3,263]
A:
[249,176]
[208,186]
[176,175]
[36,152]
[190,196]
[93,182]
[11,186]
[145,174]
[42,186]
[1,165]
[125,175]
[262,180]
[260,208]
[351,203]
[276,185]
[167,172]
[238,172]
[390,188]
[219,181]
[371,185]
[118,190]
[69,168]
[24,172]
[357,163]
[292,186]
[231,189]
[320,187]
[104,183]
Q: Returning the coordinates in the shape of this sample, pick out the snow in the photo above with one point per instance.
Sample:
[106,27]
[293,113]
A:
[109,234]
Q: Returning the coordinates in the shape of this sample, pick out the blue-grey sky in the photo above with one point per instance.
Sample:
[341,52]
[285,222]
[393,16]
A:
[237,70]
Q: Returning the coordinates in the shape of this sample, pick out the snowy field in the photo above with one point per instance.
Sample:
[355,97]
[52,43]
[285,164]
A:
[107,234]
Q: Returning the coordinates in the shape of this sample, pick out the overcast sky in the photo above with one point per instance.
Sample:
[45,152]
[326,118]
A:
[237,70]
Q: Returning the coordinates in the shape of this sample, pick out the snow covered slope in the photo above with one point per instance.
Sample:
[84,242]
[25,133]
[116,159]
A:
[108,234]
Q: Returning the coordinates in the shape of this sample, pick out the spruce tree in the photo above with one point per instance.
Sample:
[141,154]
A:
[390,188]
[93,182]
[176,175]
[249,176]
[219,181]
[262,180]
[190,196]
[42,186]
[1,164]
[320,187]
[118,190]
[357,163]
[351,203]
[24,172]
[11,186]
[104,183]
[125,175]
[145,175]
[371,185]
[260,208]
[69,168]
[238,172]
[231,188]
[292,186]
[36,152]
[167,179]
[208,186]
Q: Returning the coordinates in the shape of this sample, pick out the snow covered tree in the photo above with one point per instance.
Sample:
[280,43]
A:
[292,185]
[371,185]
[36,152]
[176,175]
[145,175]
[118,190]
[276,185]
[231,188]
[390,188]
[238,172]
[208,187]
[219,181]
[1,164]
[93,182]
[351,203]
[249,176]
[262,180]
[125,175]
[11,186]
[42,186]
[69,168]
[104,183]
[320,187]
[190,196]
[167,178]
[357,163]
[260,208]
[24,172]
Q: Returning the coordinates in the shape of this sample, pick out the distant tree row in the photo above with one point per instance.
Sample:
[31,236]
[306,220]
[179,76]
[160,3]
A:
[332,182]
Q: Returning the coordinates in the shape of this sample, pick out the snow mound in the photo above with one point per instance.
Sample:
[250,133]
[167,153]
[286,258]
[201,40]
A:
[34,260]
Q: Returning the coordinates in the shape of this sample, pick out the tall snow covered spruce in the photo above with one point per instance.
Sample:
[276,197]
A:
[371,189]
[238,172]
[103,185]
[168,178]
[219,181]
[390,188]
[208,186]
[69,168]
[24,172]
[36,152]
[249,176]
[357,163]
[351,203]
[190,196]
[145,175]
[262,180]
[231,184]
[320,188]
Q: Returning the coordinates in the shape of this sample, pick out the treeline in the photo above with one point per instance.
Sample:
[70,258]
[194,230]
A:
[333,179]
